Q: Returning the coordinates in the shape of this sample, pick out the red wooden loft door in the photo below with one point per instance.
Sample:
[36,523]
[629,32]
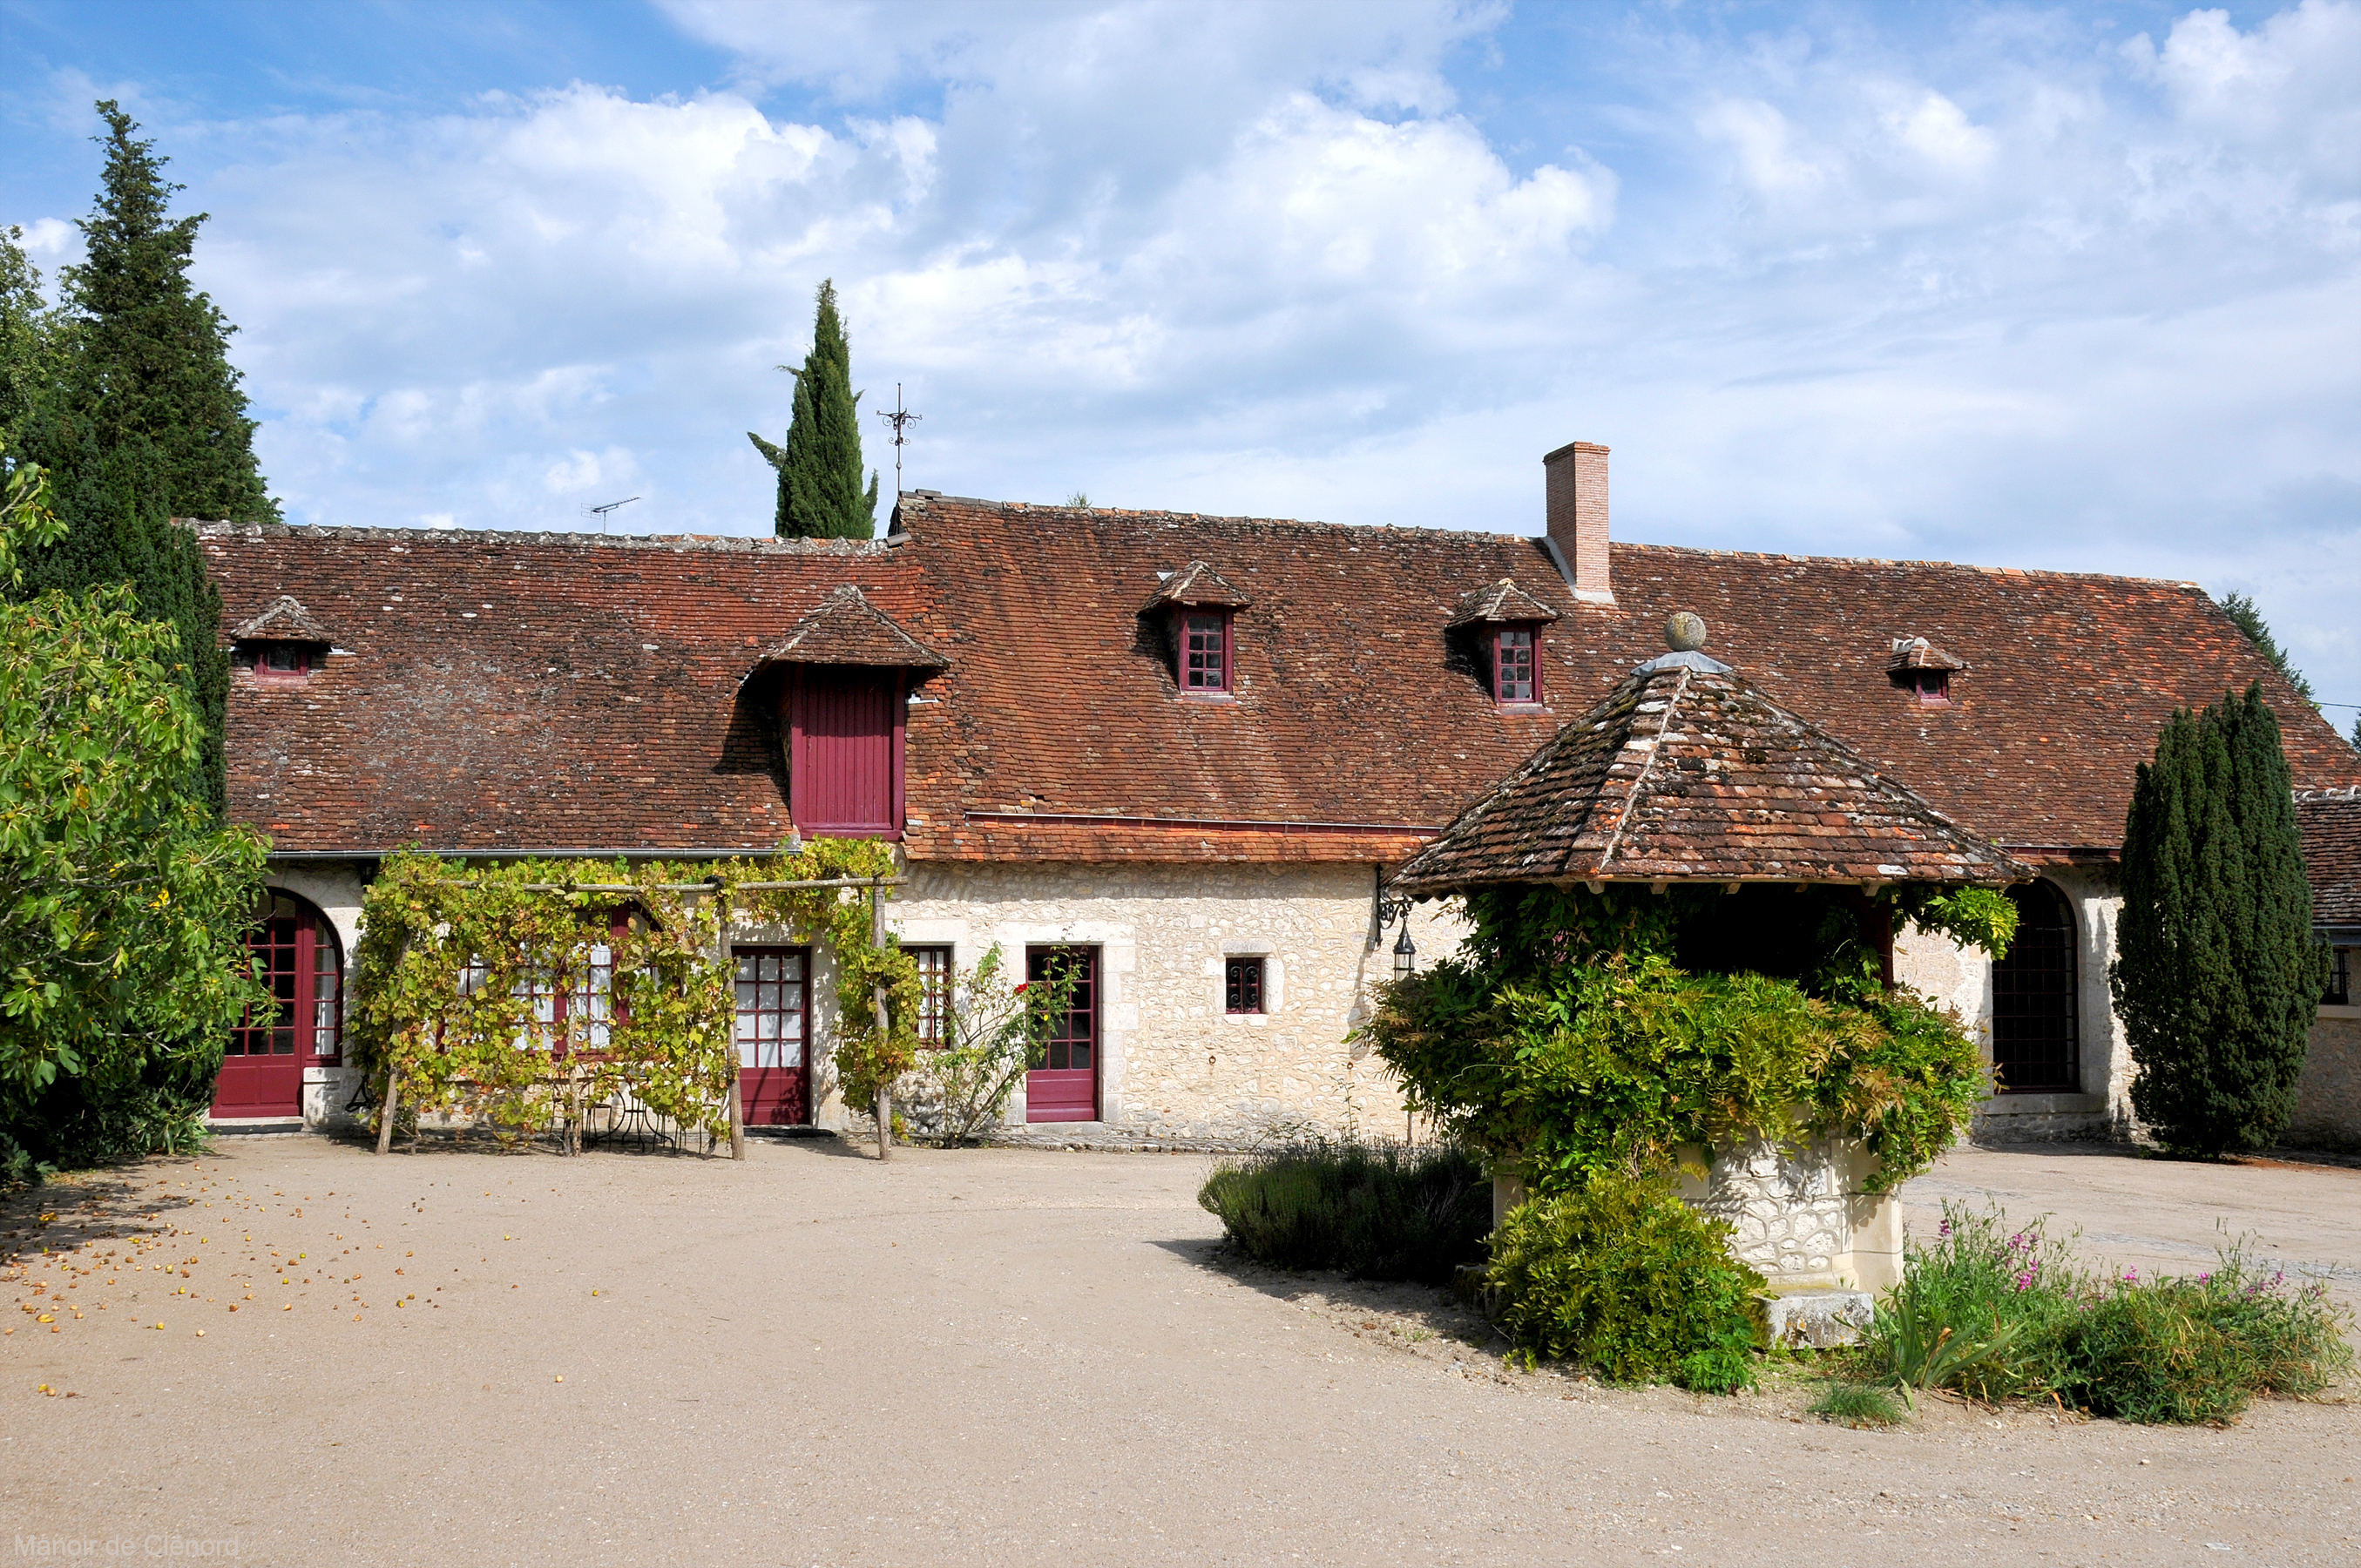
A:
[845,752]
[295,955]
[1065,1088]
[773,1046]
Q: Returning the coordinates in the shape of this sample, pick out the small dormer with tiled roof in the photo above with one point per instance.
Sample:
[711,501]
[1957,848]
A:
[1505,624]
[1200,612]
[843,711]
[1920,668]
[284,642]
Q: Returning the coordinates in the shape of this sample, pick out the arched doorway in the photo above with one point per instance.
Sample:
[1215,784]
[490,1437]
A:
[296,955]
[2036,1043]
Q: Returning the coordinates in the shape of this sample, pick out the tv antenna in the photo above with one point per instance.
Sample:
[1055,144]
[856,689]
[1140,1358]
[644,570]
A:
[601,513]
[901,419]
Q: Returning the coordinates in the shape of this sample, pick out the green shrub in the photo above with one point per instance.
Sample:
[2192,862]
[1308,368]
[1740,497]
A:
[1622,1276]
[2199,1350]
[1376,1211]
[2003,1313]
[1857,1405]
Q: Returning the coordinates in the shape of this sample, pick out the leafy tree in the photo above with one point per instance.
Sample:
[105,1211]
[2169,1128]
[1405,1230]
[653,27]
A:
[820,495]
[2216,975]
[2243,610]
[122,898]
[28,339]
[135,412]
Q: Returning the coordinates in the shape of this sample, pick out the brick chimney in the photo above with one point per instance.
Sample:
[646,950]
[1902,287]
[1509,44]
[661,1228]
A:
[1577,518]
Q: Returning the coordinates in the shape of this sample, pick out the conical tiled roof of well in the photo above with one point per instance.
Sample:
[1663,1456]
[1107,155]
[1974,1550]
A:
[1688,772]
[848,629]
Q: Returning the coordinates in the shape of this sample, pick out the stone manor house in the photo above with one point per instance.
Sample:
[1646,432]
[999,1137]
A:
[1185,750]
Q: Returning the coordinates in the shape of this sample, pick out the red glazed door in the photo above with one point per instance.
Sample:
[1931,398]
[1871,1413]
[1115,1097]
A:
[1066,1087]
[295,955]
[773,1049]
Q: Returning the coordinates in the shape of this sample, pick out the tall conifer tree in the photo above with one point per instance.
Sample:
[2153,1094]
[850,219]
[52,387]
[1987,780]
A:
[820,494]
[2217,976]
[141,419]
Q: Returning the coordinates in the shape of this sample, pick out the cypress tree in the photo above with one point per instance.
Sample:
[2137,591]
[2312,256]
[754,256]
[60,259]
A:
[2217,976]
[140,418]
[820,494]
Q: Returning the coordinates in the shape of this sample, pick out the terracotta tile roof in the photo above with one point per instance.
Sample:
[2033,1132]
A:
[1353,704]
[848,629]
[595,703]
[283,620]
[1502,602]
[1918,653]
[503,691]
[1688,773]
[1198,587]
[2330,821]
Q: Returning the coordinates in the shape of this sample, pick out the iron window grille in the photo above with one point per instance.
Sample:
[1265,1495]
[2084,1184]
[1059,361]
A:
[1242,986]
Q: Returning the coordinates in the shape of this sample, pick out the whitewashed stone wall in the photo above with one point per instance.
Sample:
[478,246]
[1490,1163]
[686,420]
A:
[1173,1063]
[2328,1095]
[1801,1216]
[1962,978]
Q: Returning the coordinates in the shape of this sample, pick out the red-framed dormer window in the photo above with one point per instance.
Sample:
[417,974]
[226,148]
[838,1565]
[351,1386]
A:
[1516,666]
[1205,650]
[1933,688]
[281,661]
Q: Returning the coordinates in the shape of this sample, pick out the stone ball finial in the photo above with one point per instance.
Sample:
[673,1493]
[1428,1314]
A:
[1683,631]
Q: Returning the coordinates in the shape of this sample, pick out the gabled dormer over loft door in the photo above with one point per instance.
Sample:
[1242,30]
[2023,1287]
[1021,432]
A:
[845,761]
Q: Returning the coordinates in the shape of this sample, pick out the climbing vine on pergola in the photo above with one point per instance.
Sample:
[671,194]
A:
[455,960]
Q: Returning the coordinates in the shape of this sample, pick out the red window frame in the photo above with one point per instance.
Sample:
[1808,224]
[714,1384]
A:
[297,668]
[1934,688]
[802,763]
[934,961]
[1242,986]
[554,1008]
[1516,651]
[794,1001]
[1205,668]
[299,958]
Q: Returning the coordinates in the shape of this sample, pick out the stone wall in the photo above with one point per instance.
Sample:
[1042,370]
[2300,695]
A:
[2328,1095]
[1173,1063]
[1801,1218]
[1962,978]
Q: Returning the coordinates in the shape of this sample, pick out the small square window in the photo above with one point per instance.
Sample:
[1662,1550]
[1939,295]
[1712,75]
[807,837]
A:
[934,993]
[1242,986]
[1204,651]
[1515,676]
[283,662]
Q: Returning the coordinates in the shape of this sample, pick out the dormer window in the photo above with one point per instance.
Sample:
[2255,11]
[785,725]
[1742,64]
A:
[1515,676]
[1200,612]
[1506,625]
[282,644]
[1205,650]
[281,661]
[1925,671]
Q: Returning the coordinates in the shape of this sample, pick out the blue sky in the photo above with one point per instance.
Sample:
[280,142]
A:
[2073,287]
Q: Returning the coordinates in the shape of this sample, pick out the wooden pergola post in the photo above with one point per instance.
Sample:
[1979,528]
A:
[877,997]
[737,1105]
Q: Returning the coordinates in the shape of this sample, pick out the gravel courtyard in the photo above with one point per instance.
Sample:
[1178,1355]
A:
[290,1350]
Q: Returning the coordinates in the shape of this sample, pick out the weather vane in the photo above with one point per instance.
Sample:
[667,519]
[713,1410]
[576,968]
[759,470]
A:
[901,419]
[601,512]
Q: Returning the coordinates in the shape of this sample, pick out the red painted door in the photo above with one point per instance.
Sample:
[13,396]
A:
[1065,1088]
[845,767]
[773,1048]
[295,955]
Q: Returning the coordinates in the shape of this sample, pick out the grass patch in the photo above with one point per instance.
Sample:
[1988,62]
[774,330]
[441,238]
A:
[2000,1312]
[1375,1210]
[1857,1405]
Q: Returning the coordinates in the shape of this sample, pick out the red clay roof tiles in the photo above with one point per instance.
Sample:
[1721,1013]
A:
[1688,773]
[2330,821]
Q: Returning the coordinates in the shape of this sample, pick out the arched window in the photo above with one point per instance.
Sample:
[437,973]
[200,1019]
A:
[2035,1045]
[297,957]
